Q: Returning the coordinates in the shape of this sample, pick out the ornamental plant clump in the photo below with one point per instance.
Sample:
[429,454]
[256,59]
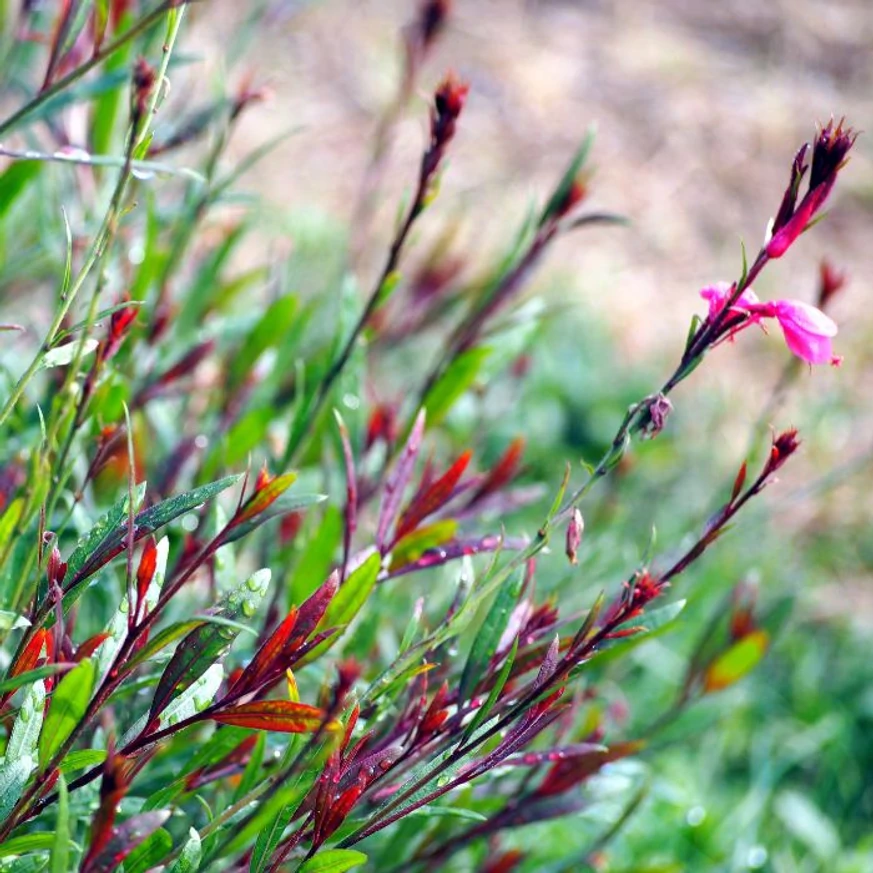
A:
[209,502]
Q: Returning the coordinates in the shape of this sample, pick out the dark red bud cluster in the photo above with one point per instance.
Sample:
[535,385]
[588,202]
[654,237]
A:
[831,282]
[448,103]
[784,446]
[144,79]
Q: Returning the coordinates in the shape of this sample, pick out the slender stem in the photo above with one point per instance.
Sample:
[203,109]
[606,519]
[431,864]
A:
[71,78]
[295,440]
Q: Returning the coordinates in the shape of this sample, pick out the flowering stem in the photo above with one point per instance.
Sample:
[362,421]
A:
[322,392]
[95,60]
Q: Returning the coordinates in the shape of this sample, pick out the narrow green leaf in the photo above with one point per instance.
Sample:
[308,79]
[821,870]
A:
[270,331]
[347,603]
[435,811]
[486,640]
[25,731]
[88,544]
[191,854]
[739,659]
[29,843]
[149,853]
[653,624]
[60,855]
[60,356]
[14,181]
[493,695]
[269,837]
[145,522]
[569,176]
[334,861]
[208,643]
[68,705]
[81,759]
[281,506]
[458,377]
[31,676]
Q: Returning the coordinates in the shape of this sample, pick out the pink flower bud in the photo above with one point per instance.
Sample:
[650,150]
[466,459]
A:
[574,535]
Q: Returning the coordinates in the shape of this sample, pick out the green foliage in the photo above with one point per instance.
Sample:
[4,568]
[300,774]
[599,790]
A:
[425,683]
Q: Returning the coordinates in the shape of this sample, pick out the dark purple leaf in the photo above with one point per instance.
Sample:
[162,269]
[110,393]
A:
[398,480]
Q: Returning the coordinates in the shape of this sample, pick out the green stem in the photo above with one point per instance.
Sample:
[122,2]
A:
[71,78]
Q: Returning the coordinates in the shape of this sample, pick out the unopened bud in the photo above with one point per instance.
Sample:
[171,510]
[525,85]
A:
[574,535]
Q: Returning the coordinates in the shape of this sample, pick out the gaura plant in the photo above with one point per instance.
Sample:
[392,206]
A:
[189,687]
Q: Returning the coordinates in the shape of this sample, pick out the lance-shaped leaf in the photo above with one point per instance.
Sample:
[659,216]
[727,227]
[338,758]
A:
[23,679]
[649,625]
[559,196]
[28,724]
[68,705]
[91,541]
[191,854]
[267,656]
[398,480]
[733,664]
[346,604]
[351,513]
[144,523]
[313,609]
[415,544]
[334,861]
[431,498]
[208,643]
[459,549]
[280,505]
[460,374]
[13,778]
[125,838]
[26,663]
[486,640]
[496,689]
[282,716]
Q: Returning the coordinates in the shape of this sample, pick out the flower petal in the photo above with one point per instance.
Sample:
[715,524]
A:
[805,317]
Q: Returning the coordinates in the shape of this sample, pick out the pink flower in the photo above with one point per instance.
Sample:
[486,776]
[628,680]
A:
[807,331]
[717,295]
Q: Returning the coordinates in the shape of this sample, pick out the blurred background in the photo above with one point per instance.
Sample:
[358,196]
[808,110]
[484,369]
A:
[699,109]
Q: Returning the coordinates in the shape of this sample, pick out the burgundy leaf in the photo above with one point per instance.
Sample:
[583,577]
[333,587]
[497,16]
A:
[429,500]
[313,609]
[125,838]
[398,480]
[267,657]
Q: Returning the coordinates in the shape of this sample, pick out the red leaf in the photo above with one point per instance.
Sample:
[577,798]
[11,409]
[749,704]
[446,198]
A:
[267,491]
[28,658]
[429,501]
[267,657]
[125,838]
[502,472]
[90,646]
[312,611]
[276,715]
[146,571]
[738,483]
